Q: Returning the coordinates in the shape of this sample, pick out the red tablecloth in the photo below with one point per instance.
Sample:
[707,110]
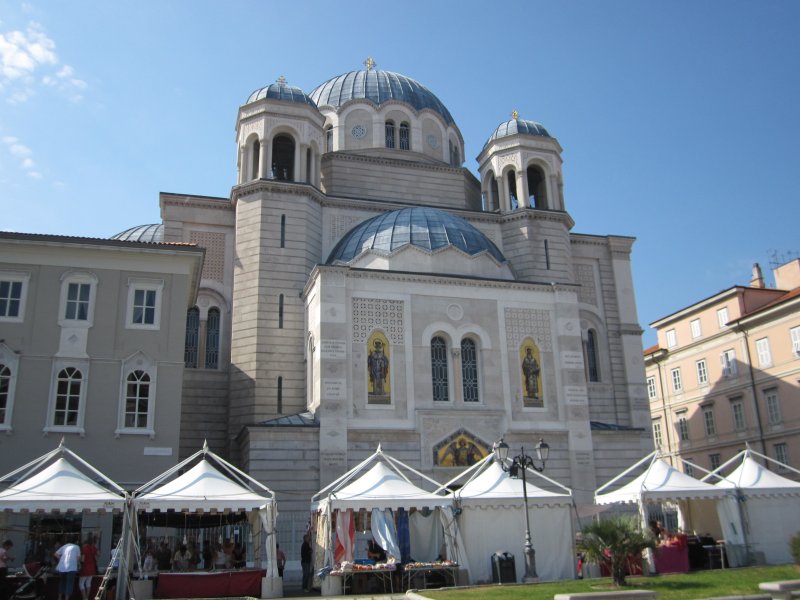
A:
[672,559]
[210,584]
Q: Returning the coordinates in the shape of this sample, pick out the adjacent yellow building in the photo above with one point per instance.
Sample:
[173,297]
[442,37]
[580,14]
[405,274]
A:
[726,372]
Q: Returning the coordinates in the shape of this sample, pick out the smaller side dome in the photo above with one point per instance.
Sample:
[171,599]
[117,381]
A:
[153,233]
[280,90]
[518,126]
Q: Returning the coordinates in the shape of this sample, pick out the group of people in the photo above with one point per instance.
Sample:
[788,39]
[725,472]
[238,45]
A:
[187,557]
[75,562]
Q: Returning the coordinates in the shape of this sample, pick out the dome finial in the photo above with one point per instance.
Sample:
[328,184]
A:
[369,63]
[514,114]
[281,80]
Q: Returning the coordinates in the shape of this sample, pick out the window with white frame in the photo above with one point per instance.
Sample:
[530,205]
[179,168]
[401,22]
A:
[773,403]
[782,455]
[651,388]
[67,400]
[469,370]
[737,411]
[683,427]
[728,361]
[672,338]
[439,370]
[677,383]
[702,371]
[722,317]
[694,325]
[144,303]
[657,438]
[13,290]
[688,469]
[708,421]
[9,361]
[794,334]
[764,354]
[77,299]
[137,400]
[715,460]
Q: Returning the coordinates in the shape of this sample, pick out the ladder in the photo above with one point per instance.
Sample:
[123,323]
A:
[115,555]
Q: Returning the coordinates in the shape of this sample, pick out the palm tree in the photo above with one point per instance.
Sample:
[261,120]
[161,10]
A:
[614,540]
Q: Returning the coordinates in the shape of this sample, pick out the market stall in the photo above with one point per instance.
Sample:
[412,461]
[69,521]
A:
[701,508]
[492,520]
[769,505]
[376,504]
[199,499]
[59,484]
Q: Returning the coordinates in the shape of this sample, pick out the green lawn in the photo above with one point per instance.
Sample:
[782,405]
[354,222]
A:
[690,586]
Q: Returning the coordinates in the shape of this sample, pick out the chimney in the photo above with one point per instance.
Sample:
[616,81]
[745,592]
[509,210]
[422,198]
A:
[758,279]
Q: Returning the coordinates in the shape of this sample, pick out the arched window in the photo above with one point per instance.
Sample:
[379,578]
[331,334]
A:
[512,189]
[255,152]
[283,158]
[212,339]
[469,370]
[192,338]
[5,391]
[280,395]
[389,129]
[283,231]
[137,399]
[592,368]
[405,137]
[439,377]
[308,165]
[495,193]
[280,311]
[329,139]
[455,158]
[68,397]
[537,189]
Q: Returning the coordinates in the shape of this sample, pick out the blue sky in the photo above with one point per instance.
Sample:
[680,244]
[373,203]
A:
[679,120]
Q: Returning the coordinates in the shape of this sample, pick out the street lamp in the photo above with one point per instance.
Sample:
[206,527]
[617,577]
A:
[522,463]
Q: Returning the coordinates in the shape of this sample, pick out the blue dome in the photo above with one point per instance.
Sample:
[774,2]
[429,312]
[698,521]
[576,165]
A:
[281,91]
[142,233]
[518,126]
[378,87]
[426,228]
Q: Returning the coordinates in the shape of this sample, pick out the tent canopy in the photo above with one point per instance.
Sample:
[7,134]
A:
[203,488]
[493,486]
[659,482]
[753,479]
[59,487]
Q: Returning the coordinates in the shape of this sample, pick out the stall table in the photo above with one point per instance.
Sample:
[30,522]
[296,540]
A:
[210,584]
[431,575]
[383,575]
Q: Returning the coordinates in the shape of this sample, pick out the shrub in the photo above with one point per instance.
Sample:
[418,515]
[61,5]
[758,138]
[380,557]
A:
[613,540]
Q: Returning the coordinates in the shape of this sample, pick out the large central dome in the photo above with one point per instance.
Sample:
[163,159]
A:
[378,87]
[427,228]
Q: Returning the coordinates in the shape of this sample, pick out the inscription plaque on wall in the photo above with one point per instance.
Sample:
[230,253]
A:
[333,349]
[333,459]
[583,459]
[334,389]
[571,360]
[575,394]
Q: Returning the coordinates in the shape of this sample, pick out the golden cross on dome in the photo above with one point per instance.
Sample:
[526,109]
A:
[514,115]
[281,80]
[369,63]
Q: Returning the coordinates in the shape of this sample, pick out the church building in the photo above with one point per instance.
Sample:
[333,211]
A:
[361,286]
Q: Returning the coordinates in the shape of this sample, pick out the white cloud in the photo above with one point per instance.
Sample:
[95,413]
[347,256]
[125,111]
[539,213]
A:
[23,154]
[25,54]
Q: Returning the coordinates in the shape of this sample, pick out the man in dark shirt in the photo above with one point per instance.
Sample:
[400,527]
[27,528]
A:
[305,562]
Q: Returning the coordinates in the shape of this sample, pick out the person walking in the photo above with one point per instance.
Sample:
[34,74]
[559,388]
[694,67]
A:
[88,566]
[305,562]
[69,557]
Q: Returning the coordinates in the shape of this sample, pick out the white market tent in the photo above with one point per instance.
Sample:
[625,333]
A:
[697,500]
[769,504]
[53,483]
[212,486]
[492,520]
[386,487]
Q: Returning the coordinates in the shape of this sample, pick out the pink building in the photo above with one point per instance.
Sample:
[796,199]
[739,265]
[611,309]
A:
[726,372]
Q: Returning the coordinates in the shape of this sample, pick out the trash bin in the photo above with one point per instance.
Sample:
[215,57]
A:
[503,569]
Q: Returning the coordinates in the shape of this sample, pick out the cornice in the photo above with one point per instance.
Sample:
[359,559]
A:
[526,214]
[213,203]
[440,167]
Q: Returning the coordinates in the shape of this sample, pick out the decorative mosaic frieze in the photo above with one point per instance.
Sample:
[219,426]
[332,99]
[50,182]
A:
[214,243]
[528,322]
[372,313]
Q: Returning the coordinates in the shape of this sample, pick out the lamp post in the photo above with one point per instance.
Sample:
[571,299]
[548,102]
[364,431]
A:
[522,463]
